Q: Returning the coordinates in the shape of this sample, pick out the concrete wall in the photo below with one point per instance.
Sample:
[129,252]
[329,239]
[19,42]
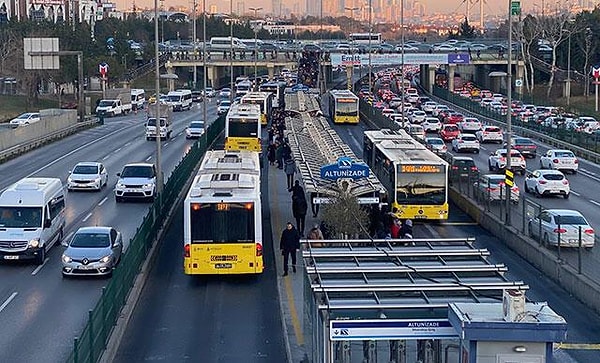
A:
[580,286]
[487,352]
[51,120]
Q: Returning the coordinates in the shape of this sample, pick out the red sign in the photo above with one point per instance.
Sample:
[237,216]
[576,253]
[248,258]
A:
[103,69]
[595,72]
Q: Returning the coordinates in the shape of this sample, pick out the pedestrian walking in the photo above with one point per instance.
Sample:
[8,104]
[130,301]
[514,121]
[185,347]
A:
[297,190]
[271,154]
[299,207]
[289,244]
[290,169]
[279,154]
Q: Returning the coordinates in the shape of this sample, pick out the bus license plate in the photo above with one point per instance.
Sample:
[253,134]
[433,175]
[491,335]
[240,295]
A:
[11,257]
[223,265]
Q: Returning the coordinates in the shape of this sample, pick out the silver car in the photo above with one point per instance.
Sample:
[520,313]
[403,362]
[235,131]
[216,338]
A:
[564,224]
[194,130]
[92,251]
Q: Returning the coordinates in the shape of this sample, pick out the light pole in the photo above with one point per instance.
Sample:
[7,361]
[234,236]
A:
[569,71]
[204,67]
[256,29]
[402,62]
[350,67]
[370,36]
[231,51]
[195,80]
[159,180]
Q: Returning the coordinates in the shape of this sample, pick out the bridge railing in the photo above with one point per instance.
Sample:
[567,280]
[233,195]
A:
[89,345]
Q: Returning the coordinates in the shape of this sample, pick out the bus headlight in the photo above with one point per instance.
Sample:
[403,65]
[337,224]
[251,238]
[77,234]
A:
[34,243]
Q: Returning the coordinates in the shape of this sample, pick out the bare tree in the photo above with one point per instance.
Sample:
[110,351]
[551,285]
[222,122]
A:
[528,32]
[344,216]
[588,47]
[9,45]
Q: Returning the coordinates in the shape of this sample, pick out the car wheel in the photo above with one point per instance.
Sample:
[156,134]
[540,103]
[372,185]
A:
[477,151]
[118,199]
[537,193]
[490,167]
[530,230]
[541,165]
[574,171]
[546,240]
[566,196]
[39,259]
[526,188]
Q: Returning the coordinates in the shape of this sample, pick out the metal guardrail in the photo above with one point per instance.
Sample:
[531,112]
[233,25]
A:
[24,147]
[89,345]
[583,145]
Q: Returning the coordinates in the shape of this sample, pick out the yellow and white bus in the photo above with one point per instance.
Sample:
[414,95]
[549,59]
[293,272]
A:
[343,107]
[416,178]
[277,89]
[242,128]
[264,100]
[222,228]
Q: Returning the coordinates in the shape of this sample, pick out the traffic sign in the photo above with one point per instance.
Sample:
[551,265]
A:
[515,8]
[509,178]
[519,82]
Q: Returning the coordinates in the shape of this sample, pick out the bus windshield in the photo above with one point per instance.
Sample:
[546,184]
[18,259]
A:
[346,108]
[20,217]
[428,187]
[243,127]
[222,223]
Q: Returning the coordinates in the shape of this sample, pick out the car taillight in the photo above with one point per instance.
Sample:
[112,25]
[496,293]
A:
[515,189]
[588,231]
[259,250]
[576,161]
[560,230]
[503,159]
[186,251]
[473,168]
[542,182]
[555,161]
[454,167]
[565,182]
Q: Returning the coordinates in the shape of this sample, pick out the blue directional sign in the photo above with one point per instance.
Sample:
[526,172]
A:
[345,168]
[300,87]
[459,58]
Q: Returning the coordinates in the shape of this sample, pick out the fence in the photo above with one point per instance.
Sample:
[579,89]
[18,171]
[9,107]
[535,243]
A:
[89,345]
[581,139]
[522,213]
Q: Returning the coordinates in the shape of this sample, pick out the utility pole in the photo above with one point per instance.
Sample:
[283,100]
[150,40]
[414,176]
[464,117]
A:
[231,94]
[204,96]
[159,177]
[255,28]
[507,220]
[195,80]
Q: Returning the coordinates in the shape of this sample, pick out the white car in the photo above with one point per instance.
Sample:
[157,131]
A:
[559,160]
[438,108]
[25,119]
[547,182]
[429,106]
[436,145]
[225,93]
[210,92]
[497,161]
[432,124]
[469,124]
[491,187]
[552,223]
[87,176]
[136,181]
[395,102]
[387,112]
[223,107]
[490,134]
[416,131]
[465,143]
[194,130]
[417,117]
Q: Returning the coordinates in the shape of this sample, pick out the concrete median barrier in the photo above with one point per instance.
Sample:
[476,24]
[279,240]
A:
[582,287]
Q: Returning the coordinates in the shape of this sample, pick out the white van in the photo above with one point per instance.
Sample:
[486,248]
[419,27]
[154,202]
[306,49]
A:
[138,99]
[224,43]
[180,99]
[32,218]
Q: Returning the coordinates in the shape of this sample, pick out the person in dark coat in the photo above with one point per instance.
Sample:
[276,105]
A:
[299,207]
[297,190]
[271,154]
[289,244]
[290,169]
[279,155]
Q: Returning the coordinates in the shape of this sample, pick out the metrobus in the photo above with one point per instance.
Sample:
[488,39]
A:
[363,38]
[242,128]
[343,107]
[222,228]
[278,91]
[264,100]
[242,88]
[416,179]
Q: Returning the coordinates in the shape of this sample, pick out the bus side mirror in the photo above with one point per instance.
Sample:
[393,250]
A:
[47,223]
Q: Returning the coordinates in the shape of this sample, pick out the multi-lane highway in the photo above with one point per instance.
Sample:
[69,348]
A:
[40,311]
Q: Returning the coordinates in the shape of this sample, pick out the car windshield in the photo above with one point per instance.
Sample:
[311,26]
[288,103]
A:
[575,220]
[492,129]
[435,142]
[468,138]
[137,172]
[152,122]
[523,142]
[24,116]
[20,217]
[196,125]
[90,240]
[564,154]
[451,128]
[553,176]
[85,169]
[496,180]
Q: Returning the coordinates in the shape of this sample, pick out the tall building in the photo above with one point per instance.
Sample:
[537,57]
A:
[276,7]
[213,9]
[313,7]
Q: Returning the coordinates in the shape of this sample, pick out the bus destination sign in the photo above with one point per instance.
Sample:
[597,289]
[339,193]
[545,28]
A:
[420,169]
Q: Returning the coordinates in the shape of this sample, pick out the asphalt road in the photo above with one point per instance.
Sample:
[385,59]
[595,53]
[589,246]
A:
[582,321]
[40,311]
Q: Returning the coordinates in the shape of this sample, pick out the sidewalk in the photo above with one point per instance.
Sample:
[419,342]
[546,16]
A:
[291,289]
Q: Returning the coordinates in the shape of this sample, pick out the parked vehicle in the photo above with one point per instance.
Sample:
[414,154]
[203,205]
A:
[547,182]
[92,251]
[554,225]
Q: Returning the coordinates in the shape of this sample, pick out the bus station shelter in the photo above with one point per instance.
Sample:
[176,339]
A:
[388,301]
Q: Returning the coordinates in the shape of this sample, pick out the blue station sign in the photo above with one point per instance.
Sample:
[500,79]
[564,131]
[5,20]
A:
[345,168]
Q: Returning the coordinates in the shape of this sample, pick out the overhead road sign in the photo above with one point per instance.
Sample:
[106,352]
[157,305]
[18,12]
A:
[459,58]
[392,59]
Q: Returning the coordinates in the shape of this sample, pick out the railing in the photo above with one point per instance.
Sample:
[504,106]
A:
[90,344]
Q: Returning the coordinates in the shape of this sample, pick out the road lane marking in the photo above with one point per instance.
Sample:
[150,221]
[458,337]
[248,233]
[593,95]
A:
[148,158]
[575,193]
[116,151]
[37,269]
[594,202]
[166,143]
[87,217]
[103,200]
[7,301]
[106,157]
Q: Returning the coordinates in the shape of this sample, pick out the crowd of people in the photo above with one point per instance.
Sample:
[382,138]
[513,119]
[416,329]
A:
[308,68]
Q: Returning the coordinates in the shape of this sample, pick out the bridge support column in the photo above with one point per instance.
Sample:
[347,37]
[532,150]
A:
[170,81]
[271,70]
[431,78]
[451,70]
[212,73]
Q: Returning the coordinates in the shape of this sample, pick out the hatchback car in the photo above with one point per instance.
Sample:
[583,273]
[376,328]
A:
[223,107]
[431,124]
[547,182]
[194,130]
[449,132]
[436,145]
[490,134]
[416,131]
[497,161]
[554,225]
[470,125]
[525,146]
[87,176]
[461,168]
[92,251]
[465,143]
[25,119]
[560,160]
[491,187]
[225,92]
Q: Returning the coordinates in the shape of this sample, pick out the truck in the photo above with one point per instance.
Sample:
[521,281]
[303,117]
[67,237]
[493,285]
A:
[117,102]
[166,125]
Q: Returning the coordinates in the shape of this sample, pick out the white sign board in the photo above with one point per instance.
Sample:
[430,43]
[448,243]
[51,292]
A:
[40,61]
[385,329]
[388,59]
[361,200]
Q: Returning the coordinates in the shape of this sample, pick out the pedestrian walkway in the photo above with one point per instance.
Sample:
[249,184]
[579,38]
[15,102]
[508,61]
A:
[290,287]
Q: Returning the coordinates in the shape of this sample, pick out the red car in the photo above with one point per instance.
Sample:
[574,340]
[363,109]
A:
[454,118]
[449,132]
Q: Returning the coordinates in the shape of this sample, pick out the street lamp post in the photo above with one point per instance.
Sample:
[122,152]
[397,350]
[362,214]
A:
[256,29]
[231,94]
[159,179]
[507,220]
[569,71]
[402,63]
[195,79]
[204,67]
[370,36]
[350,67]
